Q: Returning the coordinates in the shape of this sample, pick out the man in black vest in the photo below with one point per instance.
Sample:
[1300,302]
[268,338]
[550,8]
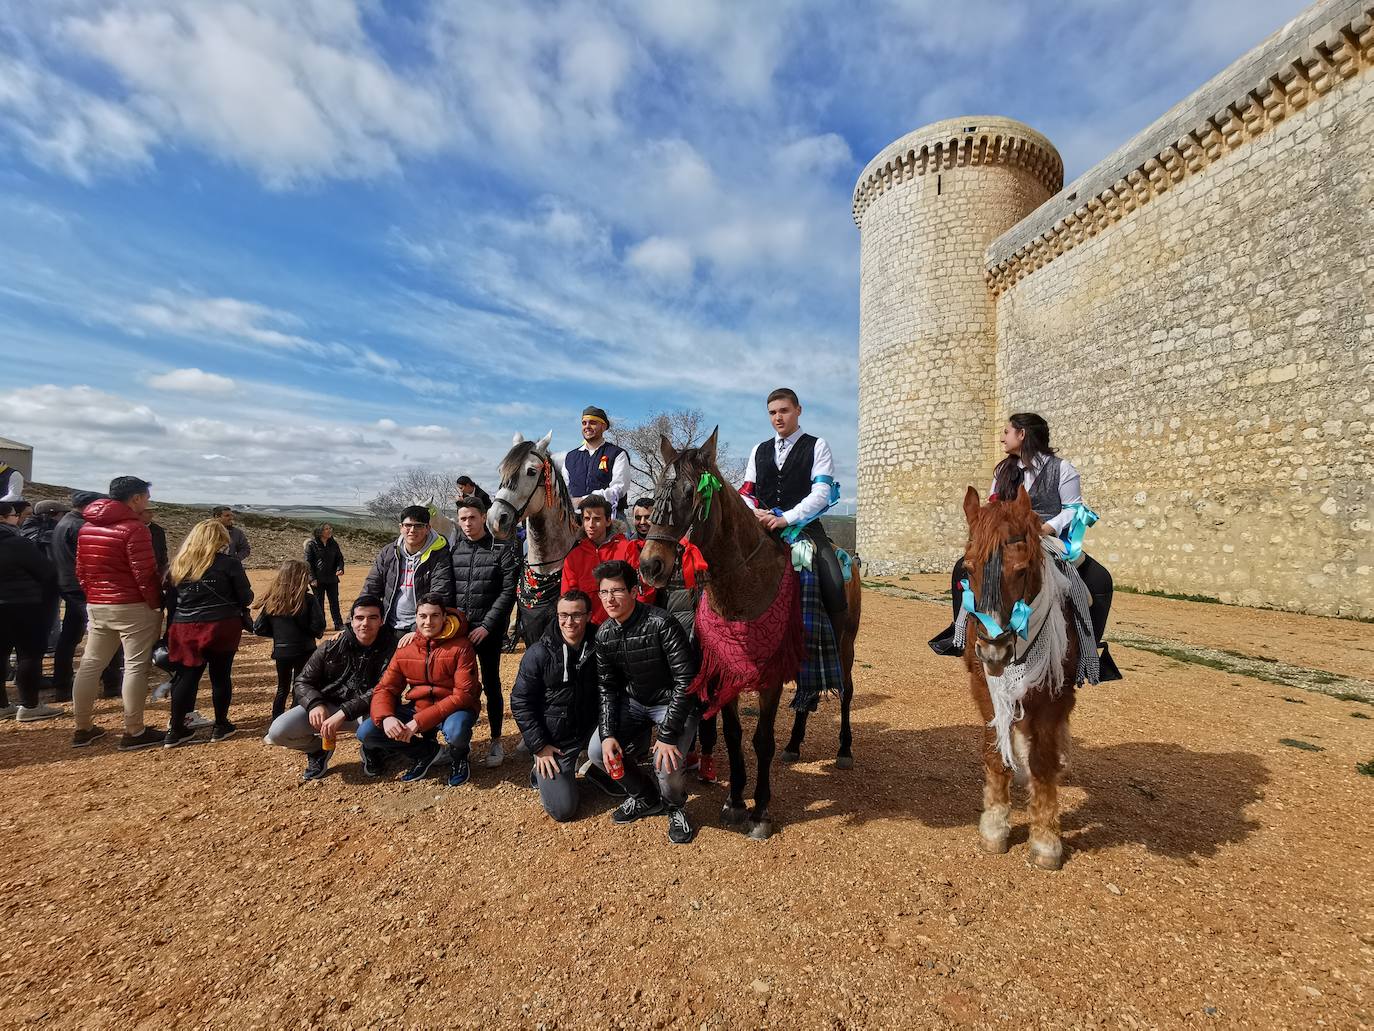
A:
[793,473]
[598,466]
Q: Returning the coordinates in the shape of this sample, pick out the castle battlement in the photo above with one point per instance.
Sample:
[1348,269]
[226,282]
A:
[1317,52]
[958,142]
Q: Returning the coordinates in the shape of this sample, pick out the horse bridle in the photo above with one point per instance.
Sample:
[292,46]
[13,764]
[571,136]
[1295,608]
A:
[663,512]
[545,480]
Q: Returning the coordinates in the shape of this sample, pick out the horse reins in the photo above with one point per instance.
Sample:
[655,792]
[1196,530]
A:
[546,481]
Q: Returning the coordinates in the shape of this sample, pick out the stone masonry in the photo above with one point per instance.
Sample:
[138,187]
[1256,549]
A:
[1194,316]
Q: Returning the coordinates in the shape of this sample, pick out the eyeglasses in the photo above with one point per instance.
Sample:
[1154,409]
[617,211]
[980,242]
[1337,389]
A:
[571,617]
[414,526]
[614,592]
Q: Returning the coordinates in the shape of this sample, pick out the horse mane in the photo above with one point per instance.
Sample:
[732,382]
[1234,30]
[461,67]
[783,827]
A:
[514,462]
[998,521]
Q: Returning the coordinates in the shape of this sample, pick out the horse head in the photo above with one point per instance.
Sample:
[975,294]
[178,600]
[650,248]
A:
[1004,566]
[528,478]
[682,504]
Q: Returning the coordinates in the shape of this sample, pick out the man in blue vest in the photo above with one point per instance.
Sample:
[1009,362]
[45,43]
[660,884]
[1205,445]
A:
[598,466]
[788,482]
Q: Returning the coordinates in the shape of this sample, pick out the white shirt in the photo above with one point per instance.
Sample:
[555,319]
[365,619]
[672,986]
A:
[1070,489]
[620,473]
[16,491]
[822,464]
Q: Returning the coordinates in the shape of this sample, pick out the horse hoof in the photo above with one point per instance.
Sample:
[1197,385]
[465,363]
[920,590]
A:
[1047,858]
[761,831]
[844,762]
[789,756]
[997,846]
[733,816]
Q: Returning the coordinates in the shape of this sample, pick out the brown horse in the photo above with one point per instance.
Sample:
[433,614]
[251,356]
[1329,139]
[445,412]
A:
[1023,687]
[747,566]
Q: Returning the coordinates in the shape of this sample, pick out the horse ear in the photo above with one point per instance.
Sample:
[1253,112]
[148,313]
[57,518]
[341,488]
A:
[971,505]
[1023,501]
[545,441]
[707,452]
[666,449]
[519,438]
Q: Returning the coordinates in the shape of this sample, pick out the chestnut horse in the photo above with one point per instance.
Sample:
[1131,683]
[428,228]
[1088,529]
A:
[746,565]
[1023,685]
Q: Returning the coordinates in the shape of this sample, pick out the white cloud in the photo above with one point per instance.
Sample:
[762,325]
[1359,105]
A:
[662,258]
[192,381]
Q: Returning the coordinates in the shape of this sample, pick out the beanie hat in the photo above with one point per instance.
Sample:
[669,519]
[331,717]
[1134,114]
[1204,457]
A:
[596,413]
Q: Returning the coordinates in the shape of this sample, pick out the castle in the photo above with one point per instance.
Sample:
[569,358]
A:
[1194,316]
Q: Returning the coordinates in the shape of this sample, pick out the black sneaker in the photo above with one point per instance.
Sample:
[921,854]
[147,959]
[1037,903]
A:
[680,829]
[82,738]
[316,765]
[459,773]
[633,809]
[222,731]
[175,737]
[429,751]
[150,738]
[373,762]
[602,781]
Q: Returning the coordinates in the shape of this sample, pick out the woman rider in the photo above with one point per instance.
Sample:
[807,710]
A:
[1053,485]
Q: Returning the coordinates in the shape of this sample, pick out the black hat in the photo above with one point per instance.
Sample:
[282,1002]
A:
[82,498]
[597,413]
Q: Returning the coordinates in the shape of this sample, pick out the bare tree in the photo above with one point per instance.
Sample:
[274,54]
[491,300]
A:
[684,427]
[414,486]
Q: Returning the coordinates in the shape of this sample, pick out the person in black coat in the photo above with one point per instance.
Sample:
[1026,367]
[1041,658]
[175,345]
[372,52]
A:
[484,573]
[28,598]
[416,564]
[62,547]
[325,559]
[292,617]
[555,703]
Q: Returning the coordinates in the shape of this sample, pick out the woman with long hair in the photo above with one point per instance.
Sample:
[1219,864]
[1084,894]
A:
[208,606]
[325,559]
[292,617]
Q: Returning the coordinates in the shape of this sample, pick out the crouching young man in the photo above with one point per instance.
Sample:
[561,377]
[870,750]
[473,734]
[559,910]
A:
[645,666]
[431,685]
[334,690]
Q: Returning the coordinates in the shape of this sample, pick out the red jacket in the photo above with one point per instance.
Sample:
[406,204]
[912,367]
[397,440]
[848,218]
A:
[114,557]
[438,677]
[578,566]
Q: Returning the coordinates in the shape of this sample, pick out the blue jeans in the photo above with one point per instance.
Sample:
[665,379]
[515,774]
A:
[457,731]
[636,724]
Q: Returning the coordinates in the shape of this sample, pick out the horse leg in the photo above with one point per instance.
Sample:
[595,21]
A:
[734,811]
[792,752]
[844,760]
[1048,731]
[760,825]
[994,826]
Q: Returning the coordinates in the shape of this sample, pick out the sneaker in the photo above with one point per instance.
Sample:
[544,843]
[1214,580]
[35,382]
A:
[602,781]
[497,755]
[316,766]
[150,738]
[34,713]
[706,771]
[429,751]
[222,731]
[680,829]
[372,762]
[162,691]
[458,776]
[633,809]
[520,747]
[195,721]
[173,738]
[7,711]
[82,738]
[691,761]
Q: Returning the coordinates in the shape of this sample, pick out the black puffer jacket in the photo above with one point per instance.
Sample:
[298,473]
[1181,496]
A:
[26,577]
[63,545]
[295,635]
[433,575]
[342,673]
[325,559]
[39,529]
[555,698]
[650,659]
[221,593]
[484,573]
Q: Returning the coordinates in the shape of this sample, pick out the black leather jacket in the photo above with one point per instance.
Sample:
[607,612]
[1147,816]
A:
[549,707]
[342,673]
[649,659]
[484,574]
[221,593]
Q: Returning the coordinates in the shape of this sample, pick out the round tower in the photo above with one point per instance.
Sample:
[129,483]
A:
[927,207]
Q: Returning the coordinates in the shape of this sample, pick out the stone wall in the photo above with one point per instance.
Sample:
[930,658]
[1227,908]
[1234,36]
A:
[1195,317]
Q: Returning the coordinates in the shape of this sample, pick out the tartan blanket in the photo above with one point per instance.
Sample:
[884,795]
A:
[743,656]
[820,670]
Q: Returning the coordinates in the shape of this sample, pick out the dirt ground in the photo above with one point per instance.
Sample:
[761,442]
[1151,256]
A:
[1214,872]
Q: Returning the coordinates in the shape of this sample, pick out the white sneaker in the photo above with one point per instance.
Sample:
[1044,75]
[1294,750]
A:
[41,711]
[195,721]
[8,711]
[162,690]
[497,755]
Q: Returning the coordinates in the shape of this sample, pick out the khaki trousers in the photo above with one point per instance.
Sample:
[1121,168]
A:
[136,627]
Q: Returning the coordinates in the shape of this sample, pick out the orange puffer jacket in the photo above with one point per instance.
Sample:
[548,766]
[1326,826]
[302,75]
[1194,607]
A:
[438,677]
[114,557]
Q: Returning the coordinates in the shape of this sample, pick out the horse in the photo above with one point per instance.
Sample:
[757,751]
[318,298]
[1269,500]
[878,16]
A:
[532,490]
[438,522]
[750,580]
[1024,689]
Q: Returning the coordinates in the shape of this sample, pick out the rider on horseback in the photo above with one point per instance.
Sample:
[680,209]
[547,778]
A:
[789,481]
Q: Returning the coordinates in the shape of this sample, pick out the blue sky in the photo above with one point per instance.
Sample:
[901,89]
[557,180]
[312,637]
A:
[270,250]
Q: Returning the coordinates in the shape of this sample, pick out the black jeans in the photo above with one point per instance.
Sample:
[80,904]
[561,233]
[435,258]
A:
[1094,576]
[64,658]
[186,680]
[24,629]
[331,591]
[287,672]
[489,665]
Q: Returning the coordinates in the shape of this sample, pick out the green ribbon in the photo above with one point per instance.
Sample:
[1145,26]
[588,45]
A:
[706,490]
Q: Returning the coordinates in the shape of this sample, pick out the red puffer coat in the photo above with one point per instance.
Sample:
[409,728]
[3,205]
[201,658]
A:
[114,557]
[438,677]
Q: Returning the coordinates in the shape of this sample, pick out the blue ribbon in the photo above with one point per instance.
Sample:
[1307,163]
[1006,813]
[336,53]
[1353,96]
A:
[792,532]
[1020,615]
[1073,534]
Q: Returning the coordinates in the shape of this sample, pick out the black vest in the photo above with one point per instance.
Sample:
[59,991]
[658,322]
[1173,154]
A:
[584,470]
[786,487]
[1044,492]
